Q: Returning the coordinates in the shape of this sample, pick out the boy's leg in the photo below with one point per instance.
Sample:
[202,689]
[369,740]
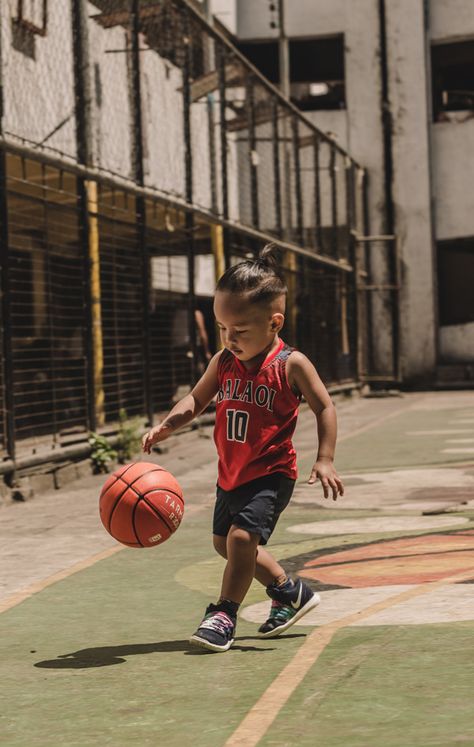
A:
[216,631]
[239,572]
[267,569]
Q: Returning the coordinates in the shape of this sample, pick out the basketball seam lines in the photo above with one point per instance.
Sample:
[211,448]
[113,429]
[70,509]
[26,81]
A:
[133,524]
[118,499]
[165,490]
[159,514]
[127,485]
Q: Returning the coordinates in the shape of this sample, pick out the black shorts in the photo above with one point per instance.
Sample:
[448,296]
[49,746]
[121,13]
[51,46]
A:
[255,506]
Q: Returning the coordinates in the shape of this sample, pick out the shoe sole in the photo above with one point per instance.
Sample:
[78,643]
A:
[195,640]
[310,605]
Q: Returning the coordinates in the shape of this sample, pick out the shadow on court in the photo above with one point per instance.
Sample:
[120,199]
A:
[105,656]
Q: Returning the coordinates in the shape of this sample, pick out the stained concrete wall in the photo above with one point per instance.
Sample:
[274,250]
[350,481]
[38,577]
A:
[408,86]
[359,130]
[453,166]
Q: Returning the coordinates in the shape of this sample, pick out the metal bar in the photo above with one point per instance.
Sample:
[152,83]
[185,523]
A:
[332,174]
[165,199]
[196,11]
[6,313]
[137,130]
[140,205]
[252,153]
[297,173]
[221,61]
[5,301]
[189,218]
[350,199]
[356,336]
[147,294]
[87,331]
[188,155]
[395,298]
[373,239]
[317,196]
[82,86]
[368,268]
[90,231]
[95,302]
[276,169]
[383,287]
[191,295]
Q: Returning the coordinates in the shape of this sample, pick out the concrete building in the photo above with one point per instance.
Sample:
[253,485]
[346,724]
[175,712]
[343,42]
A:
[394,82]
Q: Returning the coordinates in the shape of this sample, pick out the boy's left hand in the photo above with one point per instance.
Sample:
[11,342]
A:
[323,469]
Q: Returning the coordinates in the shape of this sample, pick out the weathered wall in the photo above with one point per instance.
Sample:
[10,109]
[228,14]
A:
[411,184]
[453,166]
[358,127]
[451,20]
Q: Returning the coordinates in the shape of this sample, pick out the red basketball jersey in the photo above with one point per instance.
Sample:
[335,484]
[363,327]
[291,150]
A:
[256,414]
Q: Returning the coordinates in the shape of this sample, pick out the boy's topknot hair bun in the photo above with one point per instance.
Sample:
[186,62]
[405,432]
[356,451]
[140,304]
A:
[267,256]
[260,279]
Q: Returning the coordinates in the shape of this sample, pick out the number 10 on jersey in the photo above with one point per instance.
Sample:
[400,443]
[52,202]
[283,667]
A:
[237,424]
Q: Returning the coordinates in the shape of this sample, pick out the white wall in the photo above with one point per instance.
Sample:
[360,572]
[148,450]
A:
[108,78]
[451,20]
[39,92]
[453,178]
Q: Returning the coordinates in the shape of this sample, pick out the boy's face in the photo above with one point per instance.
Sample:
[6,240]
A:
[247,329]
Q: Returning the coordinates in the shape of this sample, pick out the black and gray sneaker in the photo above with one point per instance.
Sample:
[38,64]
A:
[290,603]
[216,631]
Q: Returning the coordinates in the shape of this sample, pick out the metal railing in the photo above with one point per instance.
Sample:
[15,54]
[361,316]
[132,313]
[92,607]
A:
[140,154]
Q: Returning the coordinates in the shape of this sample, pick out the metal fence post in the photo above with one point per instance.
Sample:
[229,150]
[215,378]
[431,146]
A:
[317,194]
[8,402]
[189,218]
[298,193]
[252,153]
[89,213]
[221,66]
[276,168]
[332,174]
[141,205]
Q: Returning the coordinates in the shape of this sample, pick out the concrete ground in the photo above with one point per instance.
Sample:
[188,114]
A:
[94,636]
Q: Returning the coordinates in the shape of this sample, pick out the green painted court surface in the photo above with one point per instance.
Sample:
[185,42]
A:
[101,658]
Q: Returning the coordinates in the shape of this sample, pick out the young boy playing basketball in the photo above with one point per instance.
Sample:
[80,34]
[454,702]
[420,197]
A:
[259,382]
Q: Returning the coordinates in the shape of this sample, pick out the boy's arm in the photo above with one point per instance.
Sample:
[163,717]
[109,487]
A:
[302,374]
[187,408]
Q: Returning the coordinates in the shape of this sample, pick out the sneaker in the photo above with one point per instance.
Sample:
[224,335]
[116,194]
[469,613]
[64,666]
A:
[290,603]
[216,631]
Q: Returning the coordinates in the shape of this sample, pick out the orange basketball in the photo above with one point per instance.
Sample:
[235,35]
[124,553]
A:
[141,504]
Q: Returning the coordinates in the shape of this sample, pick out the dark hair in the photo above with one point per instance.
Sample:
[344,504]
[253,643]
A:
[260,279]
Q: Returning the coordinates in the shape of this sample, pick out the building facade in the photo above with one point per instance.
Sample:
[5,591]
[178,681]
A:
[394,83]
[140,154]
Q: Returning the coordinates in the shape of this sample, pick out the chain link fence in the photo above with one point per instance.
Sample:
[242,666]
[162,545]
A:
[141,153]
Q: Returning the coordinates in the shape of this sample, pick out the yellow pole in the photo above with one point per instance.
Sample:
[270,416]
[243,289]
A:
[97,344]
[217,243]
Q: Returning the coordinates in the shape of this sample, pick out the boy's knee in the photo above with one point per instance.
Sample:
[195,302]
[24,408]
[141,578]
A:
[242,537]
[220,545]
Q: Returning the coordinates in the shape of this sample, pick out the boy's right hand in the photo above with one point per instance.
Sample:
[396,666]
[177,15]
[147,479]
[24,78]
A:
[155,435]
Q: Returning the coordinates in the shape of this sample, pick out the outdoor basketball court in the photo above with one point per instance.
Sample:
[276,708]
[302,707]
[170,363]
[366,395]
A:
[95,637]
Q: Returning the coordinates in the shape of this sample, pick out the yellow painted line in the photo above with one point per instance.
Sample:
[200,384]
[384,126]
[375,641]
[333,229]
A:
[262,715]
[34,588]
[20,596]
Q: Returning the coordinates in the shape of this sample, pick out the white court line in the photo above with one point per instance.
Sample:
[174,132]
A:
[445,432]
[460,440]
[461,450]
